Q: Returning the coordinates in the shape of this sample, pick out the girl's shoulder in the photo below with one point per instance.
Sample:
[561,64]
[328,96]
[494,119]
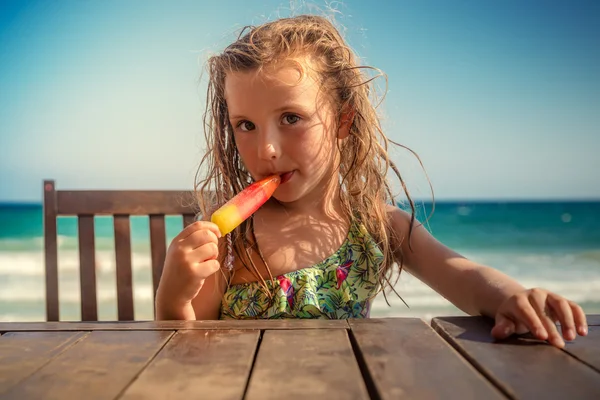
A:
[398,218]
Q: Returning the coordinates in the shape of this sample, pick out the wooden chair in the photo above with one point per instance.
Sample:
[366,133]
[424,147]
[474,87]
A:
[85,204]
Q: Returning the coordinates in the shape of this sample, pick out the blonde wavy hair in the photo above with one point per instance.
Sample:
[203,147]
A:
[364,188]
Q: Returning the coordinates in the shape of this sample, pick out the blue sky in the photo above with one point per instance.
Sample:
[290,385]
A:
[500,99]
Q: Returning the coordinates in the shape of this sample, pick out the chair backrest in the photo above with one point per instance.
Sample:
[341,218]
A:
[120,204]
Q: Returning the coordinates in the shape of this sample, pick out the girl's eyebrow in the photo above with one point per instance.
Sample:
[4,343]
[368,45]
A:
[290,106]
[237,117]
[277,110]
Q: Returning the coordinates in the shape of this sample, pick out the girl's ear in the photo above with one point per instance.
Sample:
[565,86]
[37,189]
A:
[346,120]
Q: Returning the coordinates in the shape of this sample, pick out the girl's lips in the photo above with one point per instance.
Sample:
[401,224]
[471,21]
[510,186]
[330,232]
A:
[286,177]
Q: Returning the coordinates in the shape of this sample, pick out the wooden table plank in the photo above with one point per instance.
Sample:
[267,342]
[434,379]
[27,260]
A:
[306,364]
[405,358]
[174,325]
[593,319]
[99,366]
[521,367]
[199,364]
[23,353]
[587,348]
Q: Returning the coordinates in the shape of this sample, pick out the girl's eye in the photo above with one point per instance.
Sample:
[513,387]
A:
[290,119]
[246,126]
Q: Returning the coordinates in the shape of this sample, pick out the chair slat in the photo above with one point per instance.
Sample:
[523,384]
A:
[131,202]
[50,251]
[158,247]
[123,260]
[87,263]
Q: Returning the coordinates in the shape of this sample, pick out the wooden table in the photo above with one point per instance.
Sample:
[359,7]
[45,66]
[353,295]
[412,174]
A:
[392,358]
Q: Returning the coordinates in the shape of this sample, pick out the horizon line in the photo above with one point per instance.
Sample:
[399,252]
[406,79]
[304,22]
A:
[447,200]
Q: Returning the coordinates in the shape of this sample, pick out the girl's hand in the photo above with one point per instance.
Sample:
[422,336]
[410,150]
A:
[191,258]
[536,311]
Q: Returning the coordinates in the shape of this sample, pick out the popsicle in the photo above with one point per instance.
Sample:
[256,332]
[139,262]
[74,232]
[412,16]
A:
[244,204]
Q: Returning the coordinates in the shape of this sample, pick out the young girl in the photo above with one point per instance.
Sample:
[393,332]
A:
[288,98]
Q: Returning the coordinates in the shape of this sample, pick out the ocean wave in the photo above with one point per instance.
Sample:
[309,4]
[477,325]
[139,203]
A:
[69,293]
[418,295]
[557,265]
[63,242]
[575,276]
[28,263]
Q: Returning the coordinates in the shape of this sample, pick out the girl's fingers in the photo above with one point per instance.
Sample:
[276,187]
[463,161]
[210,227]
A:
[579,317]
[538,303]
[198,226]
[208,251]
[200,238]
[562,309]
[207,268]
[503,328]
[527,315]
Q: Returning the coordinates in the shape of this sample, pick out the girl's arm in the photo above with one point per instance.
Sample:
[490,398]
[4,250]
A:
[480,290]
[207,303]
[474,288]
[191,258]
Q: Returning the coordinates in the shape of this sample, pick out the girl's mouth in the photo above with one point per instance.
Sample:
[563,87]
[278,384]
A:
[286,177]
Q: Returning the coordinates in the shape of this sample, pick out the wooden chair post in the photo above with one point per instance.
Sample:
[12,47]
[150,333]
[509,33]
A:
[123,260]
[158,249]
[87,267]
[50,251]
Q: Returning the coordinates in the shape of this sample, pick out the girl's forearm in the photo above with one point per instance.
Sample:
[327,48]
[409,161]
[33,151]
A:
[489,288]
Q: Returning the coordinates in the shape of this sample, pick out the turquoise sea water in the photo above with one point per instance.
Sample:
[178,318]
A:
[550,244]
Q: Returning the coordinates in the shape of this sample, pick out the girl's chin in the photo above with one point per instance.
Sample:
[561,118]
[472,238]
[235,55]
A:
[285,194]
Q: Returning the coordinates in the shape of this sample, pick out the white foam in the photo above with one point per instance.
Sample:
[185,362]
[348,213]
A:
[64,242]
[21,318]
[574,276]
[69,292]
[418,295]
[31,263]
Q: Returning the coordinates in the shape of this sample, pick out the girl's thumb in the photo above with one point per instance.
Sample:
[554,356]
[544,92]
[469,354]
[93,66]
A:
[504,327]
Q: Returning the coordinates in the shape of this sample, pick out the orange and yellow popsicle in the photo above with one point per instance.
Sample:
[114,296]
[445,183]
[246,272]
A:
[244,204]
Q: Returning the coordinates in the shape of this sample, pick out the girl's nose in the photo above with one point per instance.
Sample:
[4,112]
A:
[268,144]
[268,152]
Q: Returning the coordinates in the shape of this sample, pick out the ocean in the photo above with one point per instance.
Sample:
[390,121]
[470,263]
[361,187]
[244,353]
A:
[555,245]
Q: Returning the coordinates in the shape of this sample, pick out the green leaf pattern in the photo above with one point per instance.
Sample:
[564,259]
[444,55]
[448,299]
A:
[315,288]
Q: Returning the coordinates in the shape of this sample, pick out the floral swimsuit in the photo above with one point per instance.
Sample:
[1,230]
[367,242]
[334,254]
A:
[340,287]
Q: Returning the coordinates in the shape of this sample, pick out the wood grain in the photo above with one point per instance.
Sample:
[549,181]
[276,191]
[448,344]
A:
[405,358]
[198,364]
[174,325]
[520,367]
[306,364]
[100,366]
[23,353]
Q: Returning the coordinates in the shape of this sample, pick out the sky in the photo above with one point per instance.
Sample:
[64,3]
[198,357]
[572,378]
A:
[500,99]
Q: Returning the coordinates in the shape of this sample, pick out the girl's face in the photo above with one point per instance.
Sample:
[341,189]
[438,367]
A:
[284,125]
